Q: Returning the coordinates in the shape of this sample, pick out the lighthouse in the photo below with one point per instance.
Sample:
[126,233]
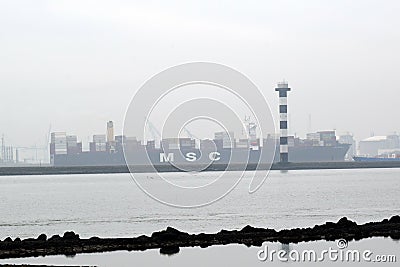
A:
[283,88]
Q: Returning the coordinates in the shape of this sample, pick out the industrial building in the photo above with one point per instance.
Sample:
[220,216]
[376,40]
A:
[379,145]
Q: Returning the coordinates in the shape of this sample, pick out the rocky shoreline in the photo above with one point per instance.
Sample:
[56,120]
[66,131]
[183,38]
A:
[170,241]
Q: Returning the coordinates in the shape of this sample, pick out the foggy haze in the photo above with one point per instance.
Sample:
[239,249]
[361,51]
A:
[76,64]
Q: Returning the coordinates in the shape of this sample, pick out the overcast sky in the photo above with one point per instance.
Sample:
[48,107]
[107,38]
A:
[76,64]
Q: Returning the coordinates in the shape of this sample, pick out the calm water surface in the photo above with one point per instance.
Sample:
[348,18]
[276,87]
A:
[111,205]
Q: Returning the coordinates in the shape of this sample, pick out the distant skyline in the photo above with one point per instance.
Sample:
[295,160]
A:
[75,65]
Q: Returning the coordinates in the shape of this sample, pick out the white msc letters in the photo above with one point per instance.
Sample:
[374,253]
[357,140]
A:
[190,156]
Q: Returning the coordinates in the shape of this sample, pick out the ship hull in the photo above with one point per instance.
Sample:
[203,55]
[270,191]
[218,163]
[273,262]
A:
[224,156]
[374,159]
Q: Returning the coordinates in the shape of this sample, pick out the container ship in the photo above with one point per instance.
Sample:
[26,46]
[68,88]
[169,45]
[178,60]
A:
[108,150]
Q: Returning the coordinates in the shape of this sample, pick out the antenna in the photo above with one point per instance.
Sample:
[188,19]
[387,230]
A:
[2,147]
[47,143]
[245,128]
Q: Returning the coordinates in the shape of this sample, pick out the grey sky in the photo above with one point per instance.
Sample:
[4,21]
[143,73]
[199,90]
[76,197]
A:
[76,64]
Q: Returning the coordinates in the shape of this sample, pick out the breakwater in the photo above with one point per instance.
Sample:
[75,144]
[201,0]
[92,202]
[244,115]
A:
[170,241]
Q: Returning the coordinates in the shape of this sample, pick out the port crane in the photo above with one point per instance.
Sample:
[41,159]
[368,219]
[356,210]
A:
[36,149]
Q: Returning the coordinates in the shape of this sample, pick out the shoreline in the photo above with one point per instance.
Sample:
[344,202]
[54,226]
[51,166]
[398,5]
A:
[61,170]
[170,241]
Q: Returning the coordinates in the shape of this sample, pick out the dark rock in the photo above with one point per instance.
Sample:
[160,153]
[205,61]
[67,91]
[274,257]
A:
[330,224]
[70,236]
[344,222]
[169,234]
[42,237]
[27,240]
[8,239]
[395,219]
[248,229]
[143,239]
[55,238]
[223,231]
[17,240]
[251,229]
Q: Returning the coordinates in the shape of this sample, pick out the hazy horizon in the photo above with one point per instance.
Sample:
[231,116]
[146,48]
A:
[75,65]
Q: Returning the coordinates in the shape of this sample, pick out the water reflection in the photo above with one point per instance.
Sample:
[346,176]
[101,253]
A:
[171,250]
[229,255]
[287,249]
